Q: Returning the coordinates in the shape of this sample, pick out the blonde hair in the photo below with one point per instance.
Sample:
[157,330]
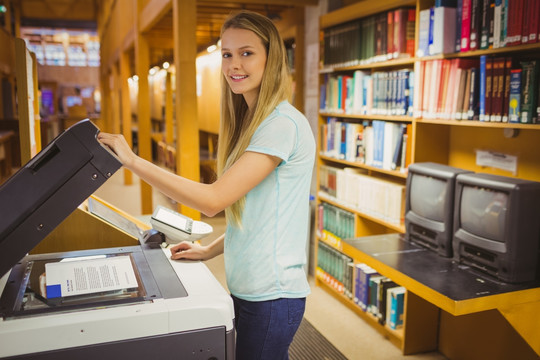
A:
[238,122]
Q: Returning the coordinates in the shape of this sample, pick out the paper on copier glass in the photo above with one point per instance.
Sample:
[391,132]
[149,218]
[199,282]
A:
[89,276]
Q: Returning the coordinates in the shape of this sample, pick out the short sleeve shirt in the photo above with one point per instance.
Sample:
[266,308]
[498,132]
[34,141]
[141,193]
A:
[265,258]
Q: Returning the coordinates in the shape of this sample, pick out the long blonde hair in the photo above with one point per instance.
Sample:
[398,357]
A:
[238,122]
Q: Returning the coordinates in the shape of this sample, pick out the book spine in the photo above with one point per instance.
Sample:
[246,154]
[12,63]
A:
[489,89]
[529,80]
[466,26]
[484,24]
[514,96]
[459,10]
[506,89]
[476,12]
[474,96]
[497,19]
[482,87]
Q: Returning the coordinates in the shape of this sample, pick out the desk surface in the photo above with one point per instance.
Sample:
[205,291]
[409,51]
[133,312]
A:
[452,286]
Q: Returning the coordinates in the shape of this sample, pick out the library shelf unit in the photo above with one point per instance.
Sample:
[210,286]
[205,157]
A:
[482,326]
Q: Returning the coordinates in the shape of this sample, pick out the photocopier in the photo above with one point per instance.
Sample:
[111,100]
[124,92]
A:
[170,309]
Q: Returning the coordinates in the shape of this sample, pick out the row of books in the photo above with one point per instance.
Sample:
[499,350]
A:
[375,197]
[335,269]
[382,144]
[466,25]
[362,93]
[373,293]
[485,89]
[336,221]
[378,295]
[379,37]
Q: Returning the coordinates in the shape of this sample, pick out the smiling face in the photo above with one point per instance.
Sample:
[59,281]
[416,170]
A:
[243,62]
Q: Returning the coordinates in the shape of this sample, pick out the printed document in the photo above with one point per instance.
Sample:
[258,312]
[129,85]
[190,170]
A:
[89,276]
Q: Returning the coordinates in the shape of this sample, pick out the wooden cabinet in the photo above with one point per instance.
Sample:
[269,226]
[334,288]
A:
[438,139]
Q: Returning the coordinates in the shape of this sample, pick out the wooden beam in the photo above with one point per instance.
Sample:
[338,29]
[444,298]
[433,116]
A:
[187,128]
[153,12]
[298,3]
[142,65]
[125,74]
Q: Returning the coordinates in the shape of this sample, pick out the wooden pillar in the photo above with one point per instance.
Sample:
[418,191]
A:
[25,94]
[299,61]
[142,65]
[105,103]
[37,116]
[115,102]
[125,106]
[187,128]
[169,126]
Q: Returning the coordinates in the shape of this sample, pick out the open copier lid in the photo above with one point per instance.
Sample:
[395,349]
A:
[37,198]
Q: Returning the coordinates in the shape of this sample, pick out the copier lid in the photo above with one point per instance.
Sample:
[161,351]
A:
[38,197]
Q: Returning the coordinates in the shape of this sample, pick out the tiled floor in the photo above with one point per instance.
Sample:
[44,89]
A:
[348,332]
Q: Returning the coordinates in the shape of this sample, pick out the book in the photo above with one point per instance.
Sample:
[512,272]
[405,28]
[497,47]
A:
[459,11]
[514,100]
[423,33]
[489,89]
[395,298]
[444,31]
[474,37]
[529,89]
[506,90]
[484,24]
[465,25]
[382,297]
[497,23]
[482,86]
[473,111]
[498,89]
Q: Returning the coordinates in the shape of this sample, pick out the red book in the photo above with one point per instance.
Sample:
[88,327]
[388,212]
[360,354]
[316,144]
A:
[489,89]
[410,32]
[400,29]
[390,33]
[506,91]
[534,20]
[527,6]
[466,25]
[498,88]
[515,20]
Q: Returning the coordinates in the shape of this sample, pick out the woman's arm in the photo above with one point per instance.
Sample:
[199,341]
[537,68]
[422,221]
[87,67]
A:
[193,251]
[209,199]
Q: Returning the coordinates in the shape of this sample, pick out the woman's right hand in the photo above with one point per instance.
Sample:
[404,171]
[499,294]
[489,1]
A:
[187,250]
[118,144]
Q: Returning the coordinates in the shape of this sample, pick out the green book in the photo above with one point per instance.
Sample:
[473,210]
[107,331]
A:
[529,87]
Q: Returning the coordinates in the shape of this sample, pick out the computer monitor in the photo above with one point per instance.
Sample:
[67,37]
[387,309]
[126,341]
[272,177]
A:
[497,226]
[429,206]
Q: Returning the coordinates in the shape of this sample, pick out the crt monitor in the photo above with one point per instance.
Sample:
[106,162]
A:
[429,206]
[497,226]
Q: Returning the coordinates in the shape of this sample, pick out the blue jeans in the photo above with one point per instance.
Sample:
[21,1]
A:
[265,329]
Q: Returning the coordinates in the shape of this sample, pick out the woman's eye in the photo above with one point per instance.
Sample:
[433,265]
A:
[246,53]
[226,55]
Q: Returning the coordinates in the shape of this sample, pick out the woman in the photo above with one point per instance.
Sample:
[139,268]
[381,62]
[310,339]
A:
[266,153]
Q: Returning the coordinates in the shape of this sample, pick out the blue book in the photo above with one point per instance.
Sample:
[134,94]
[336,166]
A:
[482,87]
[514,110]
[431,23]
[423,33]
[378,143]
[410,93]
[396,298]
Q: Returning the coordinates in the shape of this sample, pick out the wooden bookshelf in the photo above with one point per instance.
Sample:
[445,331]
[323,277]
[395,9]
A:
[454,143]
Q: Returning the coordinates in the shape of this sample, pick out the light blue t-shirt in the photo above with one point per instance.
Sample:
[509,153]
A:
[265,259]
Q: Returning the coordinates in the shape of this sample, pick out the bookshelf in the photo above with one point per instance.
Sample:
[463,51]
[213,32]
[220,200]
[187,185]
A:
[430,137]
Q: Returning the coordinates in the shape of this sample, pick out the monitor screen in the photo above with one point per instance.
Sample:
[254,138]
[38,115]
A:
[483,212]
[431,203]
